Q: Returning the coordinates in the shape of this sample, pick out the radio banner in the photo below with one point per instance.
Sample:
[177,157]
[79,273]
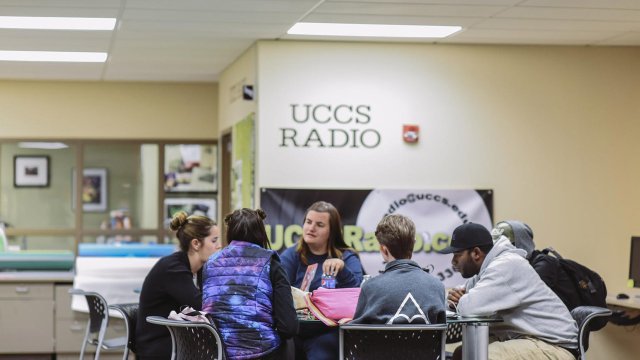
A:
[436,214]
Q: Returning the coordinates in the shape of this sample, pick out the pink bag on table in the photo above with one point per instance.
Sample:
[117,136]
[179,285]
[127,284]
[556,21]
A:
[333,305]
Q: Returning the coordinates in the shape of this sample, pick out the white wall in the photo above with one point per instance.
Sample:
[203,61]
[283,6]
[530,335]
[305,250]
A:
[232,107]
[553,130]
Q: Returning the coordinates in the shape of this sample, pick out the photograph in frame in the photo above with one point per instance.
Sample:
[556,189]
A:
[31,171]
[190,168]
[192,206]
[94,189]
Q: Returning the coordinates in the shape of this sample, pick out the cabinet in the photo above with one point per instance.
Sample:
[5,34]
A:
[36,319]
[70,325]
[26,318]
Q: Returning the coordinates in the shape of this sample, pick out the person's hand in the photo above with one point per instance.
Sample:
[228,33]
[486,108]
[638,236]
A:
[455,294]
[332,266]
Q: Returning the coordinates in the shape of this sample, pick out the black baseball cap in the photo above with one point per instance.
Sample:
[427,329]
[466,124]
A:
[468,236]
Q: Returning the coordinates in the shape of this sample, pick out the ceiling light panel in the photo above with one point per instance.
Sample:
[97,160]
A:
[373,30]
[42,145]
[53,56]
[56,23]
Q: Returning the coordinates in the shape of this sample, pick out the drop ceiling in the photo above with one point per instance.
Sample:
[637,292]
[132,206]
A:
[194,40]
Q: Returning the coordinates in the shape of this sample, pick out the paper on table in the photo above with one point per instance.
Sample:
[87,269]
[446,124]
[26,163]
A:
[298,298]
[308,277]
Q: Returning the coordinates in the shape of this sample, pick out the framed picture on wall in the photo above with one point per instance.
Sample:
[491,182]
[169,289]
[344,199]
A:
[191,206]
[190,168]
[94,189]
[31,171]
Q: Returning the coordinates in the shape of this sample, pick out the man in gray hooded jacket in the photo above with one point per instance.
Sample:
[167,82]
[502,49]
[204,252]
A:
[547,266]
[536,324]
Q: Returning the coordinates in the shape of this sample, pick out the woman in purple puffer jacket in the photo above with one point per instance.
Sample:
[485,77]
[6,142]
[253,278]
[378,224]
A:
[247,292]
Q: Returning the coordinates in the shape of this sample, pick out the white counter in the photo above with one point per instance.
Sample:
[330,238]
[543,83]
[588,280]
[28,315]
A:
[117,279]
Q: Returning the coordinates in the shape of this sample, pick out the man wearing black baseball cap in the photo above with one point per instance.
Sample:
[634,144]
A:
[473,237]
[536,324]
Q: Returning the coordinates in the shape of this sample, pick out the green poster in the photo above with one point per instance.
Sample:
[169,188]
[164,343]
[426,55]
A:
[243,164]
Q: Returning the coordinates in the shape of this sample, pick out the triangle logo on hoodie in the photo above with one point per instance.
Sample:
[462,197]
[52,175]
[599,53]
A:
[409,312]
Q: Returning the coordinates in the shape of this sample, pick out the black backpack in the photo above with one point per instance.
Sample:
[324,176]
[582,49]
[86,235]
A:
[575,284]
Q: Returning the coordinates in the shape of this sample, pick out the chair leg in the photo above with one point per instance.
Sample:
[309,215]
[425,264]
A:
[84,342]
[98,347]
[173,343]
[103,330]
[125,356]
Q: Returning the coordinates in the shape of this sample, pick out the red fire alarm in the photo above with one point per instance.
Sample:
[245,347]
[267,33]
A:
[410,133]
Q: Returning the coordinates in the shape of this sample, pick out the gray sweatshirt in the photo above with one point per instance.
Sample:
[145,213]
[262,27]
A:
[403,294]
[510,288]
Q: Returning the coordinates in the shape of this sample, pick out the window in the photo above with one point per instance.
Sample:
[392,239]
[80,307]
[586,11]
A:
[124,193]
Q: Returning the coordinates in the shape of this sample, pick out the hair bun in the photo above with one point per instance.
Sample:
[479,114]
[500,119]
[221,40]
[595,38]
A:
[261,214]
[179,220]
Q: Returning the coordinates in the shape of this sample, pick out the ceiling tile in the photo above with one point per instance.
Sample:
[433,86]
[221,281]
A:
[188,28]
[490,36]
[54,40]
[627,39]
[406,9]
[570,14]
[194,40]
[438,2]
[560,25]
[50,71]
[586,4]
[268,6]
[393,20]
[64,3]
[80,11]
[210,16]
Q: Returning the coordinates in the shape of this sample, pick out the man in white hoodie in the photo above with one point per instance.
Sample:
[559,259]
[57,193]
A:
[536,324]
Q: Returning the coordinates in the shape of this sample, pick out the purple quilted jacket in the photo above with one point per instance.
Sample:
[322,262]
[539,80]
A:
[238,293]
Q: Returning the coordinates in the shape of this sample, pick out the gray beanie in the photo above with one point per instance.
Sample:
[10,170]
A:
[522,236]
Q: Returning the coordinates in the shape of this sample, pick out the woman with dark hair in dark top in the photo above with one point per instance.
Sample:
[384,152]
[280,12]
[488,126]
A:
[247,293]
[174,281]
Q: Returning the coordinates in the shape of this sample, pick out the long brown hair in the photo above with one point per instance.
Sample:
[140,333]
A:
[336,245]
